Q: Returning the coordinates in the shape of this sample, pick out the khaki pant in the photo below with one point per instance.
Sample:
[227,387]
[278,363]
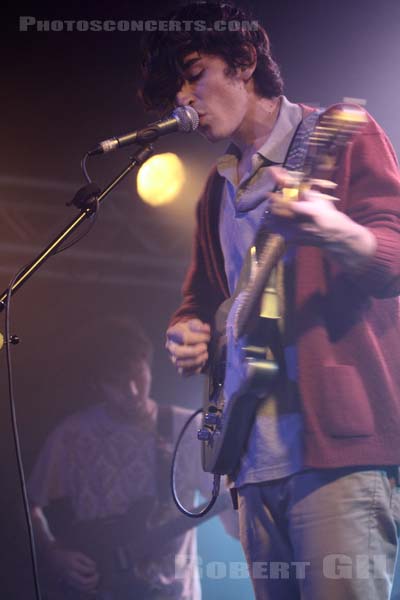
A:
[321,535]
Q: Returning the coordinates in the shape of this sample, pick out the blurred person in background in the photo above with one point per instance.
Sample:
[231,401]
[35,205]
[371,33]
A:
[104,520]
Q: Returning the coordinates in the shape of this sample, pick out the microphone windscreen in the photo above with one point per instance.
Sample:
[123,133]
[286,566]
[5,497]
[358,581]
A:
[187,117]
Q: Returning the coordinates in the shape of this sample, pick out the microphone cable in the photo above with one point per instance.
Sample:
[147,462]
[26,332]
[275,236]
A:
[17,445]
[92,220]
[10,340]
[84,167]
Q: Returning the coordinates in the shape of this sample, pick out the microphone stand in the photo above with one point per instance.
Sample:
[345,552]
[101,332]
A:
[88,206]
[87,199]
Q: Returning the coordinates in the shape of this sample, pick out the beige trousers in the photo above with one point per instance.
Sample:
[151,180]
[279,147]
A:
[321,535]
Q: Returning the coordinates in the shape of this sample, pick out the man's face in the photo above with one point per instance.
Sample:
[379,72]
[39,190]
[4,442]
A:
[220,99]
[128,397]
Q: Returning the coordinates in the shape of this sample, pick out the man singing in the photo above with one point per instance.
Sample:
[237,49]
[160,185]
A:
[316,481]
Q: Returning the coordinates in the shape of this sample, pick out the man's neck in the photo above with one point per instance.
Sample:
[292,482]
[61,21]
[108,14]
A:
[255,129]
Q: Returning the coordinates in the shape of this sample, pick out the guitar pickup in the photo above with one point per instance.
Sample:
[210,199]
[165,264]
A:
[259,352]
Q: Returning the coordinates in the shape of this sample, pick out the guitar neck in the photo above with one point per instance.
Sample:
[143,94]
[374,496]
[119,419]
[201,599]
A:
[179,525]
[274,249]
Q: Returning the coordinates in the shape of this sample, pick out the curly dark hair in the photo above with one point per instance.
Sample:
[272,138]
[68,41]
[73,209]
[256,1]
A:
[110,346]
[164,51]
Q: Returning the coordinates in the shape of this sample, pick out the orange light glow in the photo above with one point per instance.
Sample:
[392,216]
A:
[161,179]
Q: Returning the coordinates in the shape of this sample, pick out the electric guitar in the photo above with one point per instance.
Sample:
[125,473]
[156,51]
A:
[120,545]
[244,363]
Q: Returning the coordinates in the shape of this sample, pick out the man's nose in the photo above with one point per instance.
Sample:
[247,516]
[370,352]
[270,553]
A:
[185,96]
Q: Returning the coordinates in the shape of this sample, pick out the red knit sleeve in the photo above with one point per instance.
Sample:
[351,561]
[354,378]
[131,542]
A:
[203,289]
[369,184]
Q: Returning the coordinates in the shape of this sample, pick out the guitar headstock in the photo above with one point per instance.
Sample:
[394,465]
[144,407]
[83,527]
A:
[334,130]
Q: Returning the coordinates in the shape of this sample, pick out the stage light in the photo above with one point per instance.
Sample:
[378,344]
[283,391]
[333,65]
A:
[161,179]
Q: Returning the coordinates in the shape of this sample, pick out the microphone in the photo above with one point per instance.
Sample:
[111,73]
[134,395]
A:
[183,118]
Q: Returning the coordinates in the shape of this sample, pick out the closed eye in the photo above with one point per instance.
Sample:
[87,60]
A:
[193,78]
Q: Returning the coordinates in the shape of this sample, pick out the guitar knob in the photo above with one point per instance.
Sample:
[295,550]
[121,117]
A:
[204,435]
[212,419]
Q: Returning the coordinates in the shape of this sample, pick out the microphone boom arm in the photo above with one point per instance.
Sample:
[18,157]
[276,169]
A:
[142,154]
[184,119]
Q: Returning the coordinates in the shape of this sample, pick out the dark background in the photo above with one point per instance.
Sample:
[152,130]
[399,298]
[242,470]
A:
[61,93]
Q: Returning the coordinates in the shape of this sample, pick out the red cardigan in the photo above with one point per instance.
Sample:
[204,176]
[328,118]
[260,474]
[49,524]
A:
[347,325]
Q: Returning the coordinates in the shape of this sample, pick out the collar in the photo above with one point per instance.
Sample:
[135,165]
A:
[274,148]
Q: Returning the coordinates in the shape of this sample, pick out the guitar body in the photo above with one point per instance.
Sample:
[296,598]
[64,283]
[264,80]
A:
[122,546]
[240,375]
[244,364]
[111,542]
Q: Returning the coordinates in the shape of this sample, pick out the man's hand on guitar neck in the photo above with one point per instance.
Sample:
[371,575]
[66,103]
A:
[312,219]
[187,344]
[74,568]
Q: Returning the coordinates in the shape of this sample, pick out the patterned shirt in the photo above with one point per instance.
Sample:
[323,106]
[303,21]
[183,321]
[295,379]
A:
[103,466]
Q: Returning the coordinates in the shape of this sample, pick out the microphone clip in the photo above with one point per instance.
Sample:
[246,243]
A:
[86,197]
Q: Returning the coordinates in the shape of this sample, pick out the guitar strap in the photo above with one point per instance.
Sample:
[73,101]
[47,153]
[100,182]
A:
[294,161]
[297,151]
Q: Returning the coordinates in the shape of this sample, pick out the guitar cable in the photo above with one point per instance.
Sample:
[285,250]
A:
[216,479]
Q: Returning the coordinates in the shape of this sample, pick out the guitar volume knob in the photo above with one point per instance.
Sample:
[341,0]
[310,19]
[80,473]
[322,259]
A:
[212,419]
[204,435]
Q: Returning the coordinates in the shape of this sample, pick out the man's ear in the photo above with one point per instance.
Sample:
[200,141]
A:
[246,71]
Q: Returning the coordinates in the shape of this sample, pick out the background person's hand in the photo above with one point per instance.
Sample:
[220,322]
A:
[75,568]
